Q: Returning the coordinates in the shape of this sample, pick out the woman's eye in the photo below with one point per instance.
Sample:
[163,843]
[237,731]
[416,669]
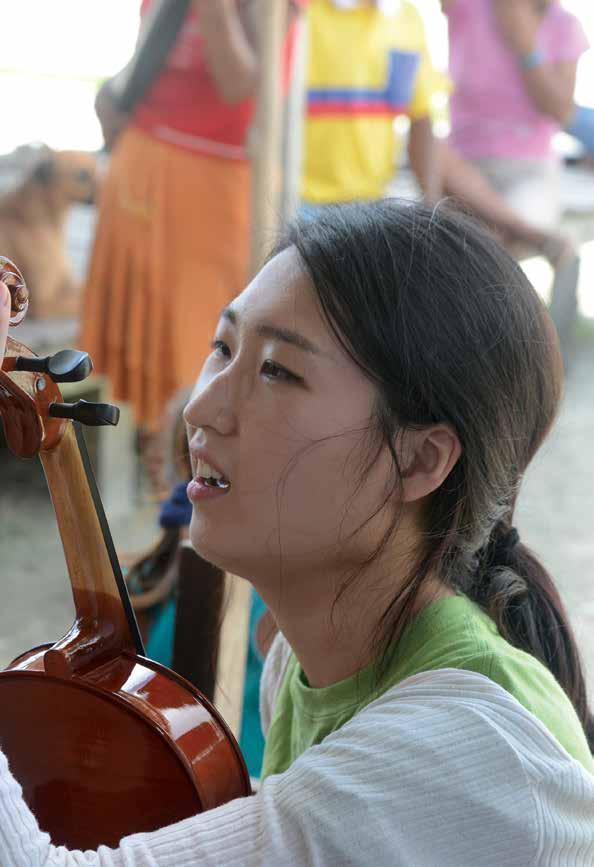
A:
[220,348]
[276,372]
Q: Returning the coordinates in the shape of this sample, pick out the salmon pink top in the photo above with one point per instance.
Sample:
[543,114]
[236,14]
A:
[183,107]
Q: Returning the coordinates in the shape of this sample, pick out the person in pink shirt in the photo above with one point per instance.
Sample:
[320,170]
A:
[513,66]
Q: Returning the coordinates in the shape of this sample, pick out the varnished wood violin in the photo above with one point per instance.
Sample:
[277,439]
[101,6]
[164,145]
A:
[104,742]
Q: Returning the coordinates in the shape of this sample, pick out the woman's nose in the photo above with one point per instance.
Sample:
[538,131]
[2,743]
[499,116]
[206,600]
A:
[211,407]
[225,421]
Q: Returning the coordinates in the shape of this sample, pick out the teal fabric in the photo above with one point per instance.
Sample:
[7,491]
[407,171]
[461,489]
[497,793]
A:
[251,739]
[160,648]
[160,641]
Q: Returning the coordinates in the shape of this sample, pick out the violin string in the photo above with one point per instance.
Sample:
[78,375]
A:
[107,537]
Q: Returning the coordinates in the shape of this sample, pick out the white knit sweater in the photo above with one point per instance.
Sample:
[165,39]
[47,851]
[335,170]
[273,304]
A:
[444,770]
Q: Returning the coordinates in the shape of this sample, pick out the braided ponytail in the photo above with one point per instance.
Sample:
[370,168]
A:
[520,596]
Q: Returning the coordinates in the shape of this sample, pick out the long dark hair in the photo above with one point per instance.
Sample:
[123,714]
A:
[449,329]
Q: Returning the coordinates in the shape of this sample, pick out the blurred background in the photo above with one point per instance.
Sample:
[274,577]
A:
[53,62]
[49,79]
[49,87]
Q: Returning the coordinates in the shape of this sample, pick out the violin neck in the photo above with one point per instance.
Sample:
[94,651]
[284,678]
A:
[100,596]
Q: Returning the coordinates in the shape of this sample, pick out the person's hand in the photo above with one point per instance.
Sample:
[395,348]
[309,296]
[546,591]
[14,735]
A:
[518,22]
[4,317]
[558,249]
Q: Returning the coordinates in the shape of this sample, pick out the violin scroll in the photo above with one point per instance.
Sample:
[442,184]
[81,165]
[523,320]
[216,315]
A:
[31,408]
[19,294]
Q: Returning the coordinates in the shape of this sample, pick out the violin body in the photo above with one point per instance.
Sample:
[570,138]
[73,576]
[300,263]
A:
[128,747]
[104,742]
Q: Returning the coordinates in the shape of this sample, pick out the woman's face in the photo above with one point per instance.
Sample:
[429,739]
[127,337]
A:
[283,414]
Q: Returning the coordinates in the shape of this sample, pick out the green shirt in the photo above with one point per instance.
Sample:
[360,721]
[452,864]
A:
[451,633]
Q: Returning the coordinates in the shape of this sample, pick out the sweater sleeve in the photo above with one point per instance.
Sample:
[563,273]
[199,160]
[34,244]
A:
[444,770]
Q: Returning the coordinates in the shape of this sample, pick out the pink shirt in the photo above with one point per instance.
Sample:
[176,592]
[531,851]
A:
[492,113]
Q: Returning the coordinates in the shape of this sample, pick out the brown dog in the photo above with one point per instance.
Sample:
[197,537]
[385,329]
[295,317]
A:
[32,223]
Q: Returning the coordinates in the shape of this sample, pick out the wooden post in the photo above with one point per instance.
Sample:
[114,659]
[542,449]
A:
[267,140]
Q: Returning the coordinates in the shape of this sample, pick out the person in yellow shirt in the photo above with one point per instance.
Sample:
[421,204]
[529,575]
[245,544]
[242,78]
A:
[368,64]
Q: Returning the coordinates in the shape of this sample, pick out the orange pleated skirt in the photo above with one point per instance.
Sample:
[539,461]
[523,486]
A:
[171,250]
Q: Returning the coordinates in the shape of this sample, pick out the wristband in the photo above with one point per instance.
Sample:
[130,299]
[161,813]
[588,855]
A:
[532,59]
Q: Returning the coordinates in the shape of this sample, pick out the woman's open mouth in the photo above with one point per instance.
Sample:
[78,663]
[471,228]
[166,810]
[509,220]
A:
[207,482]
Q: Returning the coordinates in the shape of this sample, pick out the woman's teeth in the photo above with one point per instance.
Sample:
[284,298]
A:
[216,483]
[211,477]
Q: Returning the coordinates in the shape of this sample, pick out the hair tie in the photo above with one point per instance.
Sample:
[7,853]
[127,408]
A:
[502,546]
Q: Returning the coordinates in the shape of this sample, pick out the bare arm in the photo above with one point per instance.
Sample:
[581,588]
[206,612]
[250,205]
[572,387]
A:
[231,45]
[465,183]
[549,86]
[424,157]
[229,48]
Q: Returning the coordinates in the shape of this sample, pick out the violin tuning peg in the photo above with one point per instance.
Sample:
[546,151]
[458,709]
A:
[68,365]
[92,414]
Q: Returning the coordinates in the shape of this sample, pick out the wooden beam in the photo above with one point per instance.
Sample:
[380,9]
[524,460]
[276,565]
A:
[268,132]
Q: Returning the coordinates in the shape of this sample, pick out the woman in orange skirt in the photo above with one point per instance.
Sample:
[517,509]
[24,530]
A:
[172,242]
[171,249]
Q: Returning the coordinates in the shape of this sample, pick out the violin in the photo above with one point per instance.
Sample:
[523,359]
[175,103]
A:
[103,741]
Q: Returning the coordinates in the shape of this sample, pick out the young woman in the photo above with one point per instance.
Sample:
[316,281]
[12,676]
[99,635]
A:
[363,423]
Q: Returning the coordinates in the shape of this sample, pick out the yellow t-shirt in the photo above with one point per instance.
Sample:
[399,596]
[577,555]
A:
[365,67]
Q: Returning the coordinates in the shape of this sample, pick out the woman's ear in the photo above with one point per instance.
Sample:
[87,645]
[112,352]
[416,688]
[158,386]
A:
[427,457]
